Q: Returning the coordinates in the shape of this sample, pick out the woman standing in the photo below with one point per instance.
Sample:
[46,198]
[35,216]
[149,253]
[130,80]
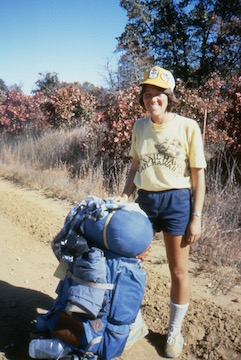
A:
[168,170]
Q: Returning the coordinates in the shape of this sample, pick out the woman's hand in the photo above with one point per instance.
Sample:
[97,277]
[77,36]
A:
[193,231]
[121,199]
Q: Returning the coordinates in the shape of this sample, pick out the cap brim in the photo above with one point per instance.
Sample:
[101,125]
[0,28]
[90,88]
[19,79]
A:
[156,82]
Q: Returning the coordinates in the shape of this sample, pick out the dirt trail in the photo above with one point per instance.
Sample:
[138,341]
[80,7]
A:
[29,220]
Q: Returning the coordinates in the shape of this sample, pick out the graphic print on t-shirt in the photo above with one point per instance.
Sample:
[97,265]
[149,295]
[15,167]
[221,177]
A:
[170,154]
[171,148]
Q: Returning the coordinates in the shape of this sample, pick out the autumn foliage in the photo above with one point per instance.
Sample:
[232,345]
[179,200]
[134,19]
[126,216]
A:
[218,102]
[119,118]
[230,121]
[69,106]
[19,112]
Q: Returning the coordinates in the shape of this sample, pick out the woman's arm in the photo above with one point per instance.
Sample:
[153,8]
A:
[129,185]
[193,232]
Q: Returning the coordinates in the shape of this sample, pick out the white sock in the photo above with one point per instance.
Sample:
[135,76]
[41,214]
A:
[177,313]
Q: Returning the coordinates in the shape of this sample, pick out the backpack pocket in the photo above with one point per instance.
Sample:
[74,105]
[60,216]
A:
[113,341]
[128,295]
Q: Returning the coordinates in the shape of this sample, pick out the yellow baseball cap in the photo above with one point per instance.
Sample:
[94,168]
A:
[160,77]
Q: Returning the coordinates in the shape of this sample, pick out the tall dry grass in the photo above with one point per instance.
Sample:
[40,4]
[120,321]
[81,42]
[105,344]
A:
[220,244]
[65,164]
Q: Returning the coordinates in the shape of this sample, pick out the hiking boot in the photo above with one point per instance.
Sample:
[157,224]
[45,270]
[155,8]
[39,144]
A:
[136,334]
[174,344]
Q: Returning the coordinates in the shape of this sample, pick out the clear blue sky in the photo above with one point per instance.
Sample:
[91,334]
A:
[73,38]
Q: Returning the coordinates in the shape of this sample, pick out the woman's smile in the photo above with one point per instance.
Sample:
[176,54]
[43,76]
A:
[155,102]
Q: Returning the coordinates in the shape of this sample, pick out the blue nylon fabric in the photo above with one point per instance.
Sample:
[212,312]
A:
[113,342]
[116,308]
[129,278]
[92,208]
[91,267]
[128,233]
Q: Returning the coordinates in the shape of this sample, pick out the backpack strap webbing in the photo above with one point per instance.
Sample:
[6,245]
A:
[90,284]
[105,229]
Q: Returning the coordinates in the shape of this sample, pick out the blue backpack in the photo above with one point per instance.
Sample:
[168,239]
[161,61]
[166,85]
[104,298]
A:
[106,333]
[104,285]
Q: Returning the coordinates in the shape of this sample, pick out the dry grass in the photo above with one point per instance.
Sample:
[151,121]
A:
[62,164]
[57,163]
[221,240]
[218,252]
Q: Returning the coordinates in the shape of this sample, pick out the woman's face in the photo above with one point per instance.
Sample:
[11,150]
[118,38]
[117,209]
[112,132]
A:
[155,101]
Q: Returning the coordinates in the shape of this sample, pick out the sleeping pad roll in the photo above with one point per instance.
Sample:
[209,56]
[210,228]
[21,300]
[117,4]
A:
[126,231]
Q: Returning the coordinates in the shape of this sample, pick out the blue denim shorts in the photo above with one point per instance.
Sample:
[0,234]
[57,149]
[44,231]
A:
[168,211]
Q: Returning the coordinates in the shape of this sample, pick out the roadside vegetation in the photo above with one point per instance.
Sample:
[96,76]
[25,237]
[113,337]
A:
[70,140]
[55,163]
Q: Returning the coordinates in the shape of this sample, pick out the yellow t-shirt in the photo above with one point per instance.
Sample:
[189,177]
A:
[166,152]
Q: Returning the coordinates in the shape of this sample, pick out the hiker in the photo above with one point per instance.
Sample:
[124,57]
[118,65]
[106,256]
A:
[167,169]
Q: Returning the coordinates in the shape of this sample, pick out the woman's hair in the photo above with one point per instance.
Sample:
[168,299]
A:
[172,100]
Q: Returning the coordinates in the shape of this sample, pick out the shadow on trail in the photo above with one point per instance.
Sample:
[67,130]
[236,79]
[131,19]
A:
[18,309]
[158,341]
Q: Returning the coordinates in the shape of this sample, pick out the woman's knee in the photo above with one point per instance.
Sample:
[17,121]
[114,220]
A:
[179,273]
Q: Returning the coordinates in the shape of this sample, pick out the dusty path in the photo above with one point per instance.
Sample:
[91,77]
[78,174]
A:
[28,221]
